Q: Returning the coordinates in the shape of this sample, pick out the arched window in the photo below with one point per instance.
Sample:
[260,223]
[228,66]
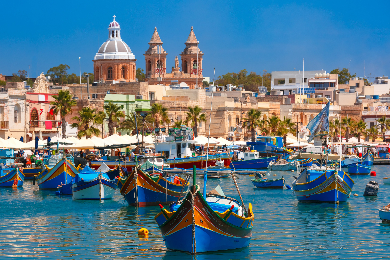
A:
[149,66]
[109,73]
[17,113]
[112,34]
[34,118]
[116,33]
[159,64]
[123,72]
[194,64]
[185,67]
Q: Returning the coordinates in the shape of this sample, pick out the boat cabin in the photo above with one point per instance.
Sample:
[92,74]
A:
[269,144]
[178,144]
[251,155]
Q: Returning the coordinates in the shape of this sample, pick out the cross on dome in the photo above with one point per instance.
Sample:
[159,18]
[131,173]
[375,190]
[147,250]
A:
[114,24]
[114,17]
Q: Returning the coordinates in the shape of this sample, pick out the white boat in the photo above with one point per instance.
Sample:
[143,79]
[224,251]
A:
[283,165]
[90,185]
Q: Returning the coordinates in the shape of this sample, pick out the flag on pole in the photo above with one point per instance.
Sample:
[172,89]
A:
[319,123]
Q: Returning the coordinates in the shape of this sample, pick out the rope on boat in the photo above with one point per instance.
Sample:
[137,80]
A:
[239,193]
[182,188]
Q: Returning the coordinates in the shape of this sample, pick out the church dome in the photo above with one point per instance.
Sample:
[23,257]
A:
[114,48]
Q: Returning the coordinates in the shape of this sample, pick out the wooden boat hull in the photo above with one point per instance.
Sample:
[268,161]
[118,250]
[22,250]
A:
[62,173]
[29,173]
[139,189]
[97,189]
[270,184]
[261,163]
[359,169]
[14,178]
[384,215]
[213,231]
[331,186]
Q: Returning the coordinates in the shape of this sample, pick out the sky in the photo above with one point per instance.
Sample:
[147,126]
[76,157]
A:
[257,35]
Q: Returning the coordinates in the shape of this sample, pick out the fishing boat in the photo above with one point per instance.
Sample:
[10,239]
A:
[206,223]
[251,160]
[92,185]
[270,184]
[359,169]
[283,165]
[11,177]
[384,213]
[57,170]
[269,146]
[141,189]
[322,183]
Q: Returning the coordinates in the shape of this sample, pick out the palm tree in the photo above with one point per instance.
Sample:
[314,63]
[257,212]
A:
[273,124]
[178,123]
[360,127]
[100,117]
[252,121]
[129,123]
[63,103]
[334,127]
[86,119]
[114,113]
[373,131]
[194,116]
[159,114]
[285,127]
[383,123]
[347,123]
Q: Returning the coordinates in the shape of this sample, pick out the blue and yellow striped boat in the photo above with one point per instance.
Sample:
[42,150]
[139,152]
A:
[11,177]
[199,225]
[62,173]
[323,185]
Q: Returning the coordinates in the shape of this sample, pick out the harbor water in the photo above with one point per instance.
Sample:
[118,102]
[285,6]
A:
[37,223]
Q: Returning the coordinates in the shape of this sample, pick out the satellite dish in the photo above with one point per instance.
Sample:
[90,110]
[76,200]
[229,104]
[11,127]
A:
[48,77]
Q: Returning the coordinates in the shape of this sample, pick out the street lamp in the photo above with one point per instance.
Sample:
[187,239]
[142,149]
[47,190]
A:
[80,69]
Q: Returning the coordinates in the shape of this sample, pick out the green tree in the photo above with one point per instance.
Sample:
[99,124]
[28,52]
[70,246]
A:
[205,84]
[114,113]
[347,123]
[58,74]
[273,124]
[99,119]
[85,121]
[344,75]
[140,75]
[194,116]
[334,129]
[178,123]
[252,121]
[373,132]
[285,127]
[159,114]
[3,83]
[383,123]
[129,124]
[360,127]
[63,104]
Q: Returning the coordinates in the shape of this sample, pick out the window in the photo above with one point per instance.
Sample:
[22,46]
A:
[17,113]
[159,64]
[34,118]
[151,95]
[109,73]
[112,33]
[149,68]
[194,64]
[183,145]
[94,95]
[123,72]
[185,67]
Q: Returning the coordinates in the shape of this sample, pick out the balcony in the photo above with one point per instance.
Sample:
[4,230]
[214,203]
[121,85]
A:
[43,124]
[4,124]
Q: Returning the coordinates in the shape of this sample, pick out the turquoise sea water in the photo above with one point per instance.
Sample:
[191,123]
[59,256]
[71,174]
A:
[36,224]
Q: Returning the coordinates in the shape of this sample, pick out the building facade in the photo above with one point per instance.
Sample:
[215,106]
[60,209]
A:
[114,61]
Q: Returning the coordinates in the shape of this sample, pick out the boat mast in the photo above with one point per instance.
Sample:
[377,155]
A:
[208,138]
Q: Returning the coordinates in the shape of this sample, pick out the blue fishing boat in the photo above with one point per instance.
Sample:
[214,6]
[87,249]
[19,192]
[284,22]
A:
[323,185]
[270,184]
[56,171]
[359,169]
[252,160]
[93,185]
[142,189]
[201,223]
[269,146]
[11,177]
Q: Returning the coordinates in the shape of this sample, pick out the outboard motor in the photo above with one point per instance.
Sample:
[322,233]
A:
[372,189]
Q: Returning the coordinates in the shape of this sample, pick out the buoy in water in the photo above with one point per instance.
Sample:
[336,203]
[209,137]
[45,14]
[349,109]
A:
[143,232]
[373,173]
[355,195]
